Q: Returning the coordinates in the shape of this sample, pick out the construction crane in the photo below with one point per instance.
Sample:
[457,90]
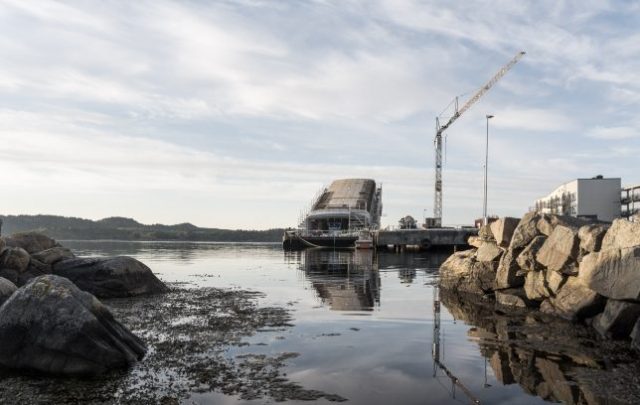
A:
[436,221]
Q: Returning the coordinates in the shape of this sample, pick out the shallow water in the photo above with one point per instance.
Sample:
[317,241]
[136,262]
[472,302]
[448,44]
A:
[363,326]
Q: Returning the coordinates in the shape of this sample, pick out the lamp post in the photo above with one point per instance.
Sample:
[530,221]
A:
[486,171]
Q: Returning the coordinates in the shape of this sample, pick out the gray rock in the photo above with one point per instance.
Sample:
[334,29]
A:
[513,297]
[622,234]
[15,259]
[617,319]
[525,231]
[560,249]
[488,252]
[53,255]
[614,273]
[527,258]
[573,301]
[502,230]
[7,288]
[51,326]
[120,276]
[31,241]
[507,273]
[462,272]
[591,237]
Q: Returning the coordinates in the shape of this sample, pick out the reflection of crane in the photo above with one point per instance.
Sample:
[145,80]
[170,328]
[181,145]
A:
[436,221]
[435,352]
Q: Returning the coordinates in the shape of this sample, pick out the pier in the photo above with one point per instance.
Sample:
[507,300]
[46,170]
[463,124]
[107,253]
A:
[424,238]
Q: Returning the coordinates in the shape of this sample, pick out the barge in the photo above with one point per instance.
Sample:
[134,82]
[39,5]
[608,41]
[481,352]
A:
[338,216]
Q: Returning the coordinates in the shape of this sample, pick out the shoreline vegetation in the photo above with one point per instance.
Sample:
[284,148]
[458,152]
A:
[120,228]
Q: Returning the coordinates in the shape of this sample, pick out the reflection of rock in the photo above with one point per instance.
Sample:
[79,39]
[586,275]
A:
[346,280]
[545,355]
[617,319]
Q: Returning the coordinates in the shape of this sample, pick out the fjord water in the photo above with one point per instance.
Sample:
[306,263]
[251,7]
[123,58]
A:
[362,322]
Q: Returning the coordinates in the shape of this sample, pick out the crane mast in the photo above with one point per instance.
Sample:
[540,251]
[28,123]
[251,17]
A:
[436,221]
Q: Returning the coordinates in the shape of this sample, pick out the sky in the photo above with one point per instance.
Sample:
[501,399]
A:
[233,114]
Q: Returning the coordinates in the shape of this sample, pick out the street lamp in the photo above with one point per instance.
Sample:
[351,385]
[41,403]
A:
[486,171]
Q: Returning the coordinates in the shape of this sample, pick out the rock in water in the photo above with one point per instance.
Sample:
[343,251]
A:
[7,288]
[461,272]
[120,276]
[618,319]
[31,241]
[51,326]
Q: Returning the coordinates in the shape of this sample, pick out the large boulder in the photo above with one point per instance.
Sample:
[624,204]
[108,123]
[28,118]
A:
[591,237]
[488,252]
[462,272]
[525,231]
[507,273]
[31,241]
[502,230]
[560,250]
[614,273]
[51,326]
[527,258]
[114,277]
[7,288]
[53,255]
[573,301]
[542,284]
[622,234]
[617,319]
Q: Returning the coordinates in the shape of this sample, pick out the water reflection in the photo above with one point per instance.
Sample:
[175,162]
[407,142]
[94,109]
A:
[553,359]
[344,280]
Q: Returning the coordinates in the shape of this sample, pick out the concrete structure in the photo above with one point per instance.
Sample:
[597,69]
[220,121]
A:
[424,238]
[595,198]
[630,201]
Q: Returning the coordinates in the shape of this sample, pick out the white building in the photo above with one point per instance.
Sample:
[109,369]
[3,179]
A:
[596,198]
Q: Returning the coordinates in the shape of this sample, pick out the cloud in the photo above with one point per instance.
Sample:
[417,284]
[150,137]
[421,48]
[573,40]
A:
[613,133]
[533,119]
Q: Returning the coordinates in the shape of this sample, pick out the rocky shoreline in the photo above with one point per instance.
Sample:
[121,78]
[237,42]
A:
[581,271]
[51,318]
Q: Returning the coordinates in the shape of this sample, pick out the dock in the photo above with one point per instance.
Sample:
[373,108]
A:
[423,238]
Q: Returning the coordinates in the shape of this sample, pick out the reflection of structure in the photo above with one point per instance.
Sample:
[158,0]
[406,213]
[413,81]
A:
[596,198]
[346,280]
[548,357]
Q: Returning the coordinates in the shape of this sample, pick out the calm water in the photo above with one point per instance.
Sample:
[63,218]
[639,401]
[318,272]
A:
[363,323]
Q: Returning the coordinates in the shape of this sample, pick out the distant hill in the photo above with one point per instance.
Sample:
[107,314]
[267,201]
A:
[129,229]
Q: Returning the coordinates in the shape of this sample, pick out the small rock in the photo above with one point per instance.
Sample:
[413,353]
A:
[15,259]
[618,319]
[560,249]
[502,230]
[525,231]
[485,234]
[51,326]
[53,255]
[7,288]
[527,258]
[513,297]
[474,241]
[488,252]
[591,237]
[507,273]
